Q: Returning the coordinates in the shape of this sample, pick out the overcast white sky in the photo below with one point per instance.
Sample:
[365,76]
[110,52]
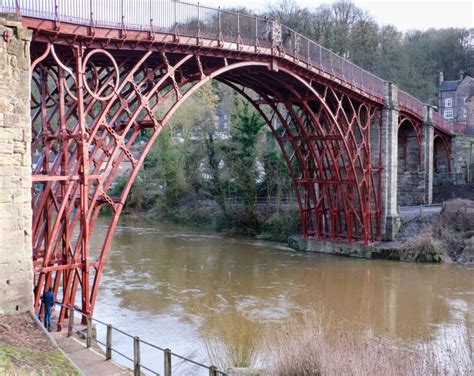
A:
[404,14]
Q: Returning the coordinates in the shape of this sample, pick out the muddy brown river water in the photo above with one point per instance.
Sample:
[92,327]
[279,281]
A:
[163,282]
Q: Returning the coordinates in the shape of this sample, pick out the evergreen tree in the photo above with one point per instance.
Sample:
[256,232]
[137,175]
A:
[246,128]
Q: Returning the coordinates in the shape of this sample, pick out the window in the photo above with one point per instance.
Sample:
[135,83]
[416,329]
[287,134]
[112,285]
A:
[448,102]
[465,100]
[448,114]
[464,112]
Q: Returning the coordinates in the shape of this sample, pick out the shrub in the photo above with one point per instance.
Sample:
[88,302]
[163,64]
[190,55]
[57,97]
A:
[318,345]
[422,248]
[233,341]
[457,215]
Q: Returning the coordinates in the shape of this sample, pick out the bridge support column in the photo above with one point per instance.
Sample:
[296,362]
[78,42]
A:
[390,119]
[428,145]
[16,269]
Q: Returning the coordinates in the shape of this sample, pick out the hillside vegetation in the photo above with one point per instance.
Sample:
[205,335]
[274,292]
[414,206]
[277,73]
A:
[240,182]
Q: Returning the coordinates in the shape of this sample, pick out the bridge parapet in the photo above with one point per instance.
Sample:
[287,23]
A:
[185,20]
[198,22]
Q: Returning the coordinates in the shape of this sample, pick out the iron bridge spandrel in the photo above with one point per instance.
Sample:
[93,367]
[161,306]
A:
[104,71]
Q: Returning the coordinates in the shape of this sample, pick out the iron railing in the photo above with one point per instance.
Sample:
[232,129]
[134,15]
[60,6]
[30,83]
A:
[441,122]
[197,21]
[134,359]
[233,30]
[409,103]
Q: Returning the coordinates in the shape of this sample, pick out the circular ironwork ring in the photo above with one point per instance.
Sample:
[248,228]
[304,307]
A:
[117,71]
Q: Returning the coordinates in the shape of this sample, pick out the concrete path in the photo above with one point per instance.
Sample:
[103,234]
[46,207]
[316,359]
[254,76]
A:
[414,211]
[89,361]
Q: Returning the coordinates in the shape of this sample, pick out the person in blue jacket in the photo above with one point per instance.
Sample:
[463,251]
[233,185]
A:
[48,300]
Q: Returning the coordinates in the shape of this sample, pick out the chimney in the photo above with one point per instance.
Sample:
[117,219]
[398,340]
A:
[461,75]
[441,77]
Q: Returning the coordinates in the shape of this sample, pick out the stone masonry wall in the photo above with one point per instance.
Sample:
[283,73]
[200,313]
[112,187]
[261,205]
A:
[462,159]
[16,273]
[411,177]
[459,182]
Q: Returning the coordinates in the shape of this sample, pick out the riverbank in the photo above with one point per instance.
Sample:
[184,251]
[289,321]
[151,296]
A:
[318,343]
[275,222]
[447,236]
[25,349]
[444,237]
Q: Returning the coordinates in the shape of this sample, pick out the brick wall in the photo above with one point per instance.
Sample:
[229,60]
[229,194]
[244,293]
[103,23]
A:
[16,275]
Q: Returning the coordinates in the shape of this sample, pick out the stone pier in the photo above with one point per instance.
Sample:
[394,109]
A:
[16,272]
[390,116]
[428,145]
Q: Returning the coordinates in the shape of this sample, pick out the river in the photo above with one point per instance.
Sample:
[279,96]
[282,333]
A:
[166,283]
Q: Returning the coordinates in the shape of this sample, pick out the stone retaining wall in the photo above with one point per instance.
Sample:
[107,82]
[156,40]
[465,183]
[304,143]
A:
[16,274]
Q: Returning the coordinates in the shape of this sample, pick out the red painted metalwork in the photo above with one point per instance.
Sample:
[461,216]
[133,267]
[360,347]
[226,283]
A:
[101,76]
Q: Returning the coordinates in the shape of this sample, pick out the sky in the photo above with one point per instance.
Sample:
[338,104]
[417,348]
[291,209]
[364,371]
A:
[404,14]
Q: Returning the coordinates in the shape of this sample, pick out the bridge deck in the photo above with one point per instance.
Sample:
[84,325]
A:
[194,25]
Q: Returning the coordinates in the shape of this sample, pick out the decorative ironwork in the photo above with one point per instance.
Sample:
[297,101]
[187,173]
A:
[100,75]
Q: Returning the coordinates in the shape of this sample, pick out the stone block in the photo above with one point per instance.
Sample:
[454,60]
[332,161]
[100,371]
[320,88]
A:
[329,247]
[16,270]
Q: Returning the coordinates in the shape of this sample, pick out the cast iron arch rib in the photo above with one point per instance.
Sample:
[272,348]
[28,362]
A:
[90,106]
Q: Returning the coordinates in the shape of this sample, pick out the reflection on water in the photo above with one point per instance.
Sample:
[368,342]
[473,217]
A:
[162,282]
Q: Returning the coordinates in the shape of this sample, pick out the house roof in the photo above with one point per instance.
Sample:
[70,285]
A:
[449,85]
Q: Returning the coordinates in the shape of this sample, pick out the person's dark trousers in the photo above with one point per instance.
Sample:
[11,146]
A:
[47,318]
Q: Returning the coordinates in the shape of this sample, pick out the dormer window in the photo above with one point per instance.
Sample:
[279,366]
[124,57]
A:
[448,102]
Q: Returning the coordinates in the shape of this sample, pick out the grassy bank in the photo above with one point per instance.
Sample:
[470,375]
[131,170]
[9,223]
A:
[20,360]
[26,350]
[319,344]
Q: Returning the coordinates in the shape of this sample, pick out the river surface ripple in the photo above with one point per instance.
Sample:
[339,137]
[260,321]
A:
[163,282]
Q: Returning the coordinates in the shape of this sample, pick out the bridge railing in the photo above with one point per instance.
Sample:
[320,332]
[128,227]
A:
[441,122]
[194,20]
[137,343]
[202,22]
[410,103]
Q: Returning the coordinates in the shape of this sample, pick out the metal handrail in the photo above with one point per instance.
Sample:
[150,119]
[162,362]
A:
[180,18]
[186,17]
[137,364]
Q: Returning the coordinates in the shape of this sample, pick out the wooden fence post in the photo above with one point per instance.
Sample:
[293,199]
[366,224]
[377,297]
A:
[136,356]
[71,322]
[167,362]
[89,331]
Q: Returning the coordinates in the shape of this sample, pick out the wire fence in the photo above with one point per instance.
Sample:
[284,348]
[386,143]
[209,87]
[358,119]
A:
[168,357]
[287,201]
[230,29]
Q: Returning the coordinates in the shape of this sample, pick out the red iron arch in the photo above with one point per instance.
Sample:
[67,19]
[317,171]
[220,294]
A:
[90,105]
